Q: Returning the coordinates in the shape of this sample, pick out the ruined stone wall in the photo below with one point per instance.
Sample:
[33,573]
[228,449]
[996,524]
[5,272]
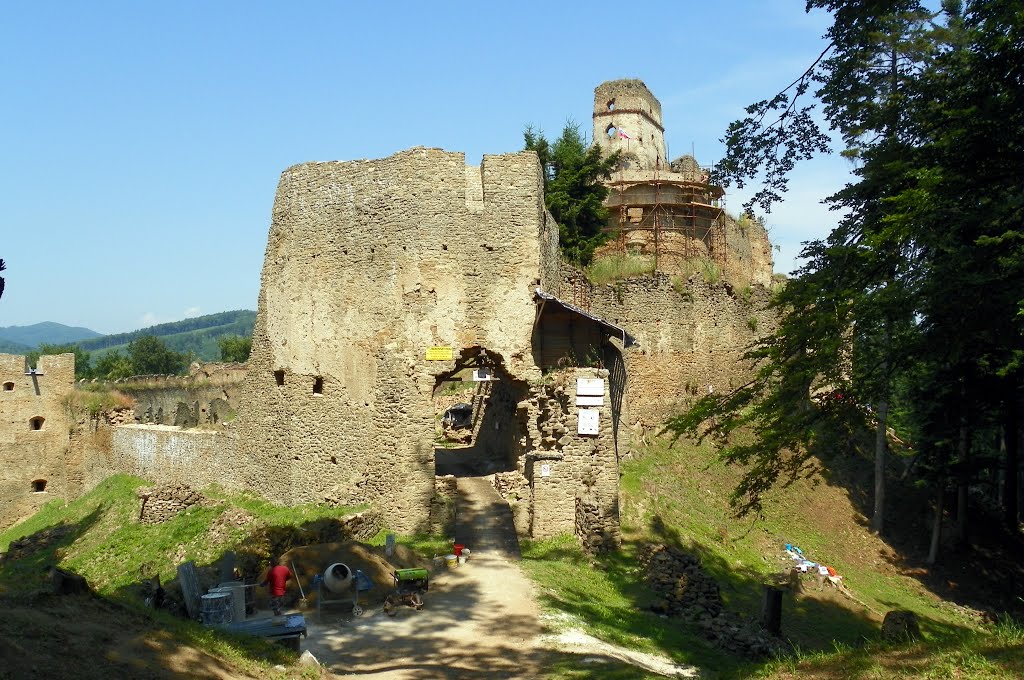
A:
[207,396]
[691,335]
[34,433]
[748,260]
[563,467]
[368,264]
[170,455]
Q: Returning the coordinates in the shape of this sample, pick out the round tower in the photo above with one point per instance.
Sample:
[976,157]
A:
[627,118]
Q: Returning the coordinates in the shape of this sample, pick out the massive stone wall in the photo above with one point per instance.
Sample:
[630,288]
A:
[169,454]
[368,264]
[34,432]
[692,336]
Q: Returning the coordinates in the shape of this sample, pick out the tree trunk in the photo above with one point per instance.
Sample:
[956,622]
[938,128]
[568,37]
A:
[1011,440]
[933,549]
[963,481]
[881,447]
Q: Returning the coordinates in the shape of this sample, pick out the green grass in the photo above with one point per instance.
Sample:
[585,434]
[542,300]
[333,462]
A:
[620,266]
[606,598]
[679,495]
[98,536]
[113,551]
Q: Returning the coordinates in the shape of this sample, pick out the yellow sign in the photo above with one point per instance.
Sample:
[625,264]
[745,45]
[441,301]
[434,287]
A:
[440,353]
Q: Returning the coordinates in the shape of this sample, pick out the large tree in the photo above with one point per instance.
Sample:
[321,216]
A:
[573,190]
[149,355]
[899,293]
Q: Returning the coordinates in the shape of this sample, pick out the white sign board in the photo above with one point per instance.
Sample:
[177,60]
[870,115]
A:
[482,374]
[545,469]
[588,421]
[589,401]
[590,387]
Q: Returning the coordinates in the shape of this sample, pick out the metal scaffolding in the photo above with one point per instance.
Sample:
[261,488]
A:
[662,205]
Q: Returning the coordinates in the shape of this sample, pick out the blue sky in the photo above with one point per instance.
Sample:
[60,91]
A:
[141,143]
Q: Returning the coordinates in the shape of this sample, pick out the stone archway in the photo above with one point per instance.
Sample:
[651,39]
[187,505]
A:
[493,441]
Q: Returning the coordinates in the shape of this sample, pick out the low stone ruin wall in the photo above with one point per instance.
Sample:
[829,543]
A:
[162,503]
[515,489]
[685,590]
[598,533]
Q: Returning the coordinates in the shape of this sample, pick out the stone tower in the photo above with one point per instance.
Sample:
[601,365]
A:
[627,118]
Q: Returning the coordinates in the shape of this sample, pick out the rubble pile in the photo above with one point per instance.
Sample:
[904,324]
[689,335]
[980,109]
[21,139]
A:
[688,592]
[161,503]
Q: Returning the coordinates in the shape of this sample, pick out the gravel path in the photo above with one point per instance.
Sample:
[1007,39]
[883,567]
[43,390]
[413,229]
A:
[480,620]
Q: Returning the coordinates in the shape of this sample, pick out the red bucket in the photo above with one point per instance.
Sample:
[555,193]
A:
[457,549]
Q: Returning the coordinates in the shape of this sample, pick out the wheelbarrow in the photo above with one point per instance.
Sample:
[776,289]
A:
[410,584]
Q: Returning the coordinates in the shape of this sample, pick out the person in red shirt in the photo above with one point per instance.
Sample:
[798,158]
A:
[276,579]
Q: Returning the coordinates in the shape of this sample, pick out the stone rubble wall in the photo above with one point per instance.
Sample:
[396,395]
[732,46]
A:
[443,504]
[577,465]
[163,502]
[686,591]
[692,336]
[368,264]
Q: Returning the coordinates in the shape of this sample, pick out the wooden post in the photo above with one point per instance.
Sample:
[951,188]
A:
[771,610]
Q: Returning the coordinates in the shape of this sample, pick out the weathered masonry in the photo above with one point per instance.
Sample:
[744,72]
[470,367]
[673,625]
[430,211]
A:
[34,432]
[372,267]
[669,209]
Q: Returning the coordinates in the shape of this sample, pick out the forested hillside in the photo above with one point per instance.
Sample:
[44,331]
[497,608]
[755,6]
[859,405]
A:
[198,335]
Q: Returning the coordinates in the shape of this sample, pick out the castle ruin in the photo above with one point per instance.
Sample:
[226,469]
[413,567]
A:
[385,280]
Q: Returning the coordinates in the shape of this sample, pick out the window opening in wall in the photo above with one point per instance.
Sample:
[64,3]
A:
[38,485]
[8,387]
[279,378]
[611,104]
[611,132]
[36,423]
[318,385]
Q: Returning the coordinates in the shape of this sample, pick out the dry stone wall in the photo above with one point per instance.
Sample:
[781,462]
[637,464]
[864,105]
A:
[34,433]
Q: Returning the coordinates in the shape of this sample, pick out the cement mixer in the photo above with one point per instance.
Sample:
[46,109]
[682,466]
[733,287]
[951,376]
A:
[339,579]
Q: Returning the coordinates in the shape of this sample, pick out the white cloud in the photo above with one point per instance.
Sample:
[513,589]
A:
[148,319]
[191,311]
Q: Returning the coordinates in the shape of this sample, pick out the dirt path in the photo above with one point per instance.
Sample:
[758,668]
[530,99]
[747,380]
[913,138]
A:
[480,621]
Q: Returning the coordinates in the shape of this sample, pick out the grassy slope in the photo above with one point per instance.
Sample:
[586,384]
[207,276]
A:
[96,536]
[677,495]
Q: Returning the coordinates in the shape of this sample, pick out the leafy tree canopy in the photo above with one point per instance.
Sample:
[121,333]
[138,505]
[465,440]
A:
[573,191]
[917,293]
[235,348]
[113,366]
[149,355]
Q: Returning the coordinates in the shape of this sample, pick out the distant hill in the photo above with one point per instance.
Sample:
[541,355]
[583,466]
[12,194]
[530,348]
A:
[198,334]
[48,332]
